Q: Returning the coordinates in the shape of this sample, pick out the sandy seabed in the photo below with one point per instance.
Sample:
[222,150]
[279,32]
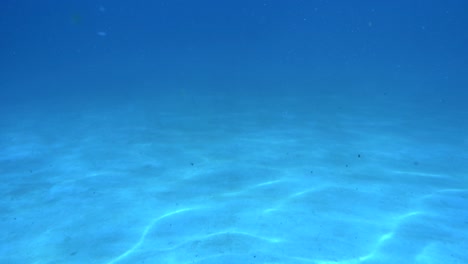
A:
[258,186]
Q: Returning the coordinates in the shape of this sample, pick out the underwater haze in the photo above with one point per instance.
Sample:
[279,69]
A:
[246,131]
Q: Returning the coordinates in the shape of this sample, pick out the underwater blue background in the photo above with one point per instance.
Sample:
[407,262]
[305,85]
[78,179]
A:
[233,131]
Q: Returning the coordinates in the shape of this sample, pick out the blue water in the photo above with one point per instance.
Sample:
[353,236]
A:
[247,131]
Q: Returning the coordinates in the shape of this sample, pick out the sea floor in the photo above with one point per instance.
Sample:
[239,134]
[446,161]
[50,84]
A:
[232,183]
